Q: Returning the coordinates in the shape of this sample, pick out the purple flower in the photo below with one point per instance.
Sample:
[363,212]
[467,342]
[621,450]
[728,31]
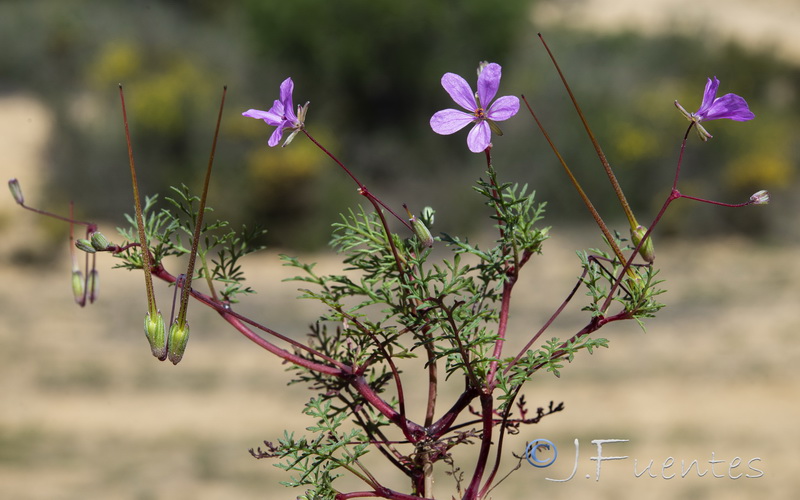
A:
[281,115]
[449,121]
[730,106]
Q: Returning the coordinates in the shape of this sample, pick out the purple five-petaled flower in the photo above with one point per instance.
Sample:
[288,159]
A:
[730,106]
[281,115]
[484,115]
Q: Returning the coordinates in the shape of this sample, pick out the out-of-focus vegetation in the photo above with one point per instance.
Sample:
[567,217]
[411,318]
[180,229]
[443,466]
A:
[371,71]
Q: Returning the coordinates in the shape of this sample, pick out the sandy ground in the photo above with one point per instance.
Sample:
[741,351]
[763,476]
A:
[86,412]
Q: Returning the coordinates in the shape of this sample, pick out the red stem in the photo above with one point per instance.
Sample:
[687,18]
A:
[362,189]
[413,432]
[487,410]
[383,493]
[501,330]
[547,324]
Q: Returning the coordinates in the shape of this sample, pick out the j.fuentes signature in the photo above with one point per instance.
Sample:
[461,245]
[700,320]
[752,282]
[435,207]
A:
[543,453]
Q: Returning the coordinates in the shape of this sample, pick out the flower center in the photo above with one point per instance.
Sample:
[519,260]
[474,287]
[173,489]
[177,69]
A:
[480,114]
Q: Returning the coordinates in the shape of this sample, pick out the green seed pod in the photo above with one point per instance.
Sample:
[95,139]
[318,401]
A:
[93,285]
[421,231]
[99,242]
[16,191]
[85,245]
[178,338]
[647,251]
[156,335]
[77,286]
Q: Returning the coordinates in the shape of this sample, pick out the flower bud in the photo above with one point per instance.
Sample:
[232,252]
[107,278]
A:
[156,335]
[16,191]
[85,245]
[99,242]
[760,198]
[77,286]
[178,338]
[427,215]
[421,231]
[647,251]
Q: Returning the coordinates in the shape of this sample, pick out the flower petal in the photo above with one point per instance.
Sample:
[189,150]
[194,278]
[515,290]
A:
[708,96]
[449,121]
[503,108]
[275,138]
[479,137]
[488,83]
[730,106]
[459,90]
[287,87]
[268,116]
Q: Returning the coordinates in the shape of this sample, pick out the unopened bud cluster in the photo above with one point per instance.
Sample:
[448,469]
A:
[96,243]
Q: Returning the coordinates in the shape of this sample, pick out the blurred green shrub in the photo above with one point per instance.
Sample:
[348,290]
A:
[377,64]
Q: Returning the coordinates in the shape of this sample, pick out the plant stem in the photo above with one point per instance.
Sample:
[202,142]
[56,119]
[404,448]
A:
[593,211]
[487,410]
[362,189]
[600,155]
[181,320]
[673,195]
[546,324]
[146,263]
[502,326]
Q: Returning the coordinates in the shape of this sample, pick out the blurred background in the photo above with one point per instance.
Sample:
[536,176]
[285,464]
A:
[86,413]
[371,71]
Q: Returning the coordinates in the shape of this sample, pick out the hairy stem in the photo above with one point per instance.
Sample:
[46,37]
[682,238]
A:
[593,211]
[146,263]
[181,320]
[600,155]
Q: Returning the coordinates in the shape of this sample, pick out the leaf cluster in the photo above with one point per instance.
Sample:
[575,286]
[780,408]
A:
[636,295]
[313,463]
[169,232]
[399,299]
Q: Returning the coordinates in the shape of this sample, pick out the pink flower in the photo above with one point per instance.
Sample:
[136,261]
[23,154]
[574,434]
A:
[281,115]
[484,115]
[730,106]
